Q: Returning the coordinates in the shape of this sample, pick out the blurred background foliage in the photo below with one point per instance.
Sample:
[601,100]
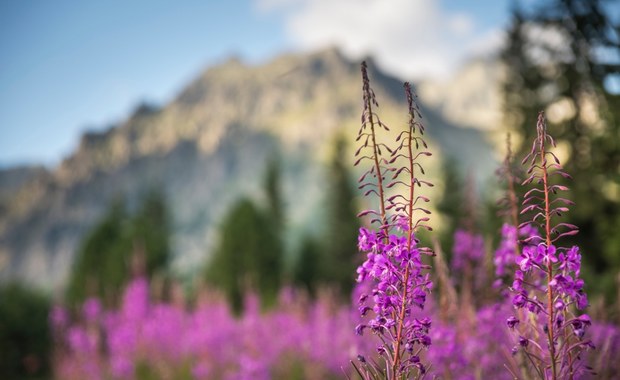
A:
[25,339]
[122,244]
[560,56]
[251,253]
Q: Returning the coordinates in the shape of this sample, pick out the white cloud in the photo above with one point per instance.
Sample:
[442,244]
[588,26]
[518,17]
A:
[411,38]
[487,43]
[461,24]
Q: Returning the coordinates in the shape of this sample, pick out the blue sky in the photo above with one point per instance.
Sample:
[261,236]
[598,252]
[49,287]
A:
[69,66]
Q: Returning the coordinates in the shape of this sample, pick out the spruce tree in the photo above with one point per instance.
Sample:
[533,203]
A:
[451,203]
[247,257]
[102,265]
[273,191]
[25,336]
[338,258]
[306,269]
[151,231]
[249,254]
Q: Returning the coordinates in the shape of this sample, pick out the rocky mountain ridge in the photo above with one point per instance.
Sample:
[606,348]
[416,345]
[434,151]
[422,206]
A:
[205,149]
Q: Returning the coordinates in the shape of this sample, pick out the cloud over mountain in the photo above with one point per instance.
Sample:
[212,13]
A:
[413,38]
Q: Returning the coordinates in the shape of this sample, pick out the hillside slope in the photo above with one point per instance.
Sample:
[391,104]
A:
[205,149]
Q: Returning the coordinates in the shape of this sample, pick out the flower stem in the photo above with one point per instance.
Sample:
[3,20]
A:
[548,242]
[375,148]
[403,306]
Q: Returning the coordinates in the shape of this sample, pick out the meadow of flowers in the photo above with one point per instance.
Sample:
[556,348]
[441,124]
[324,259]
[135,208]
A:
[517,311]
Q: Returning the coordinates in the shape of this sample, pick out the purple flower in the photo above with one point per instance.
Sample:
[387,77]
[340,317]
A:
[581,300]
[519,300]
[571,261]
[512,322]
[425,340]
[91,309]
[517,284]
[80,341]
[582,321]
[59,317]
[367,240]
[506,253]
[546,254]
[529,257]
[468,247]
[359,329]
[122,367]
[201,371]
[548,281]
[386,268]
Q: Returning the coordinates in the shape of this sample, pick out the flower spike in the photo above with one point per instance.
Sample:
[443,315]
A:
[547,280]
[393,268]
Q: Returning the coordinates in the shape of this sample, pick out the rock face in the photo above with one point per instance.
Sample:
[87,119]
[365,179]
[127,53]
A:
[205,149]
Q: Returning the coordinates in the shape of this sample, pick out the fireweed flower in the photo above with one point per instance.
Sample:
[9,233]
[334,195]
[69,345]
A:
[547,284]
[211,342]
[512,237]
[144,337]
[58,318]
[393,277]
[508,254]
[468,248]
[91,309]
[515,238]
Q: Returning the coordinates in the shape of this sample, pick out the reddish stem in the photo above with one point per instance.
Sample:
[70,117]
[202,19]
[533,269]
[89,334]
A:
[375,150]
[403,306]
[543,162]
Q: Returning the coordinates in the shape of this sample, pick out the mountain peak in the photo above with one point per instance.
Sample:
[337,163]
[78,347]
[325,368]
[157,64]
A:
[206,148]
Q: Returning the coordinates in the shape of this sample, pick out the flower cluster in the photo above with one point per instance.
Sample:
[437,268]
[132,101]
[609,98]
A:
[507,255]
[546,283]
[468,249]
[396,270]
[147,339]
[387,260]
[393,272]
[566,284]
[144,338]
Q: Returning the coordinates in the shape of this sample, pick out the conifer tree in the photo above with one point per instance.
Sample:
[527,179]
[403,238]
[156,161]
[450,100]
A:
[451,203]
[273,192]
[340,244]
[306,269]
[151,231]
[24,333]
[103,263]
[249,254]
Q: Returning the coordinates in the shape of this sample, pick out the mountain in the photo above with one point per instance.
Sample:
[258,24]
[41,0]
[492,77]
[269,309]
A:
[205,149]
[13,179]
[471,97]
